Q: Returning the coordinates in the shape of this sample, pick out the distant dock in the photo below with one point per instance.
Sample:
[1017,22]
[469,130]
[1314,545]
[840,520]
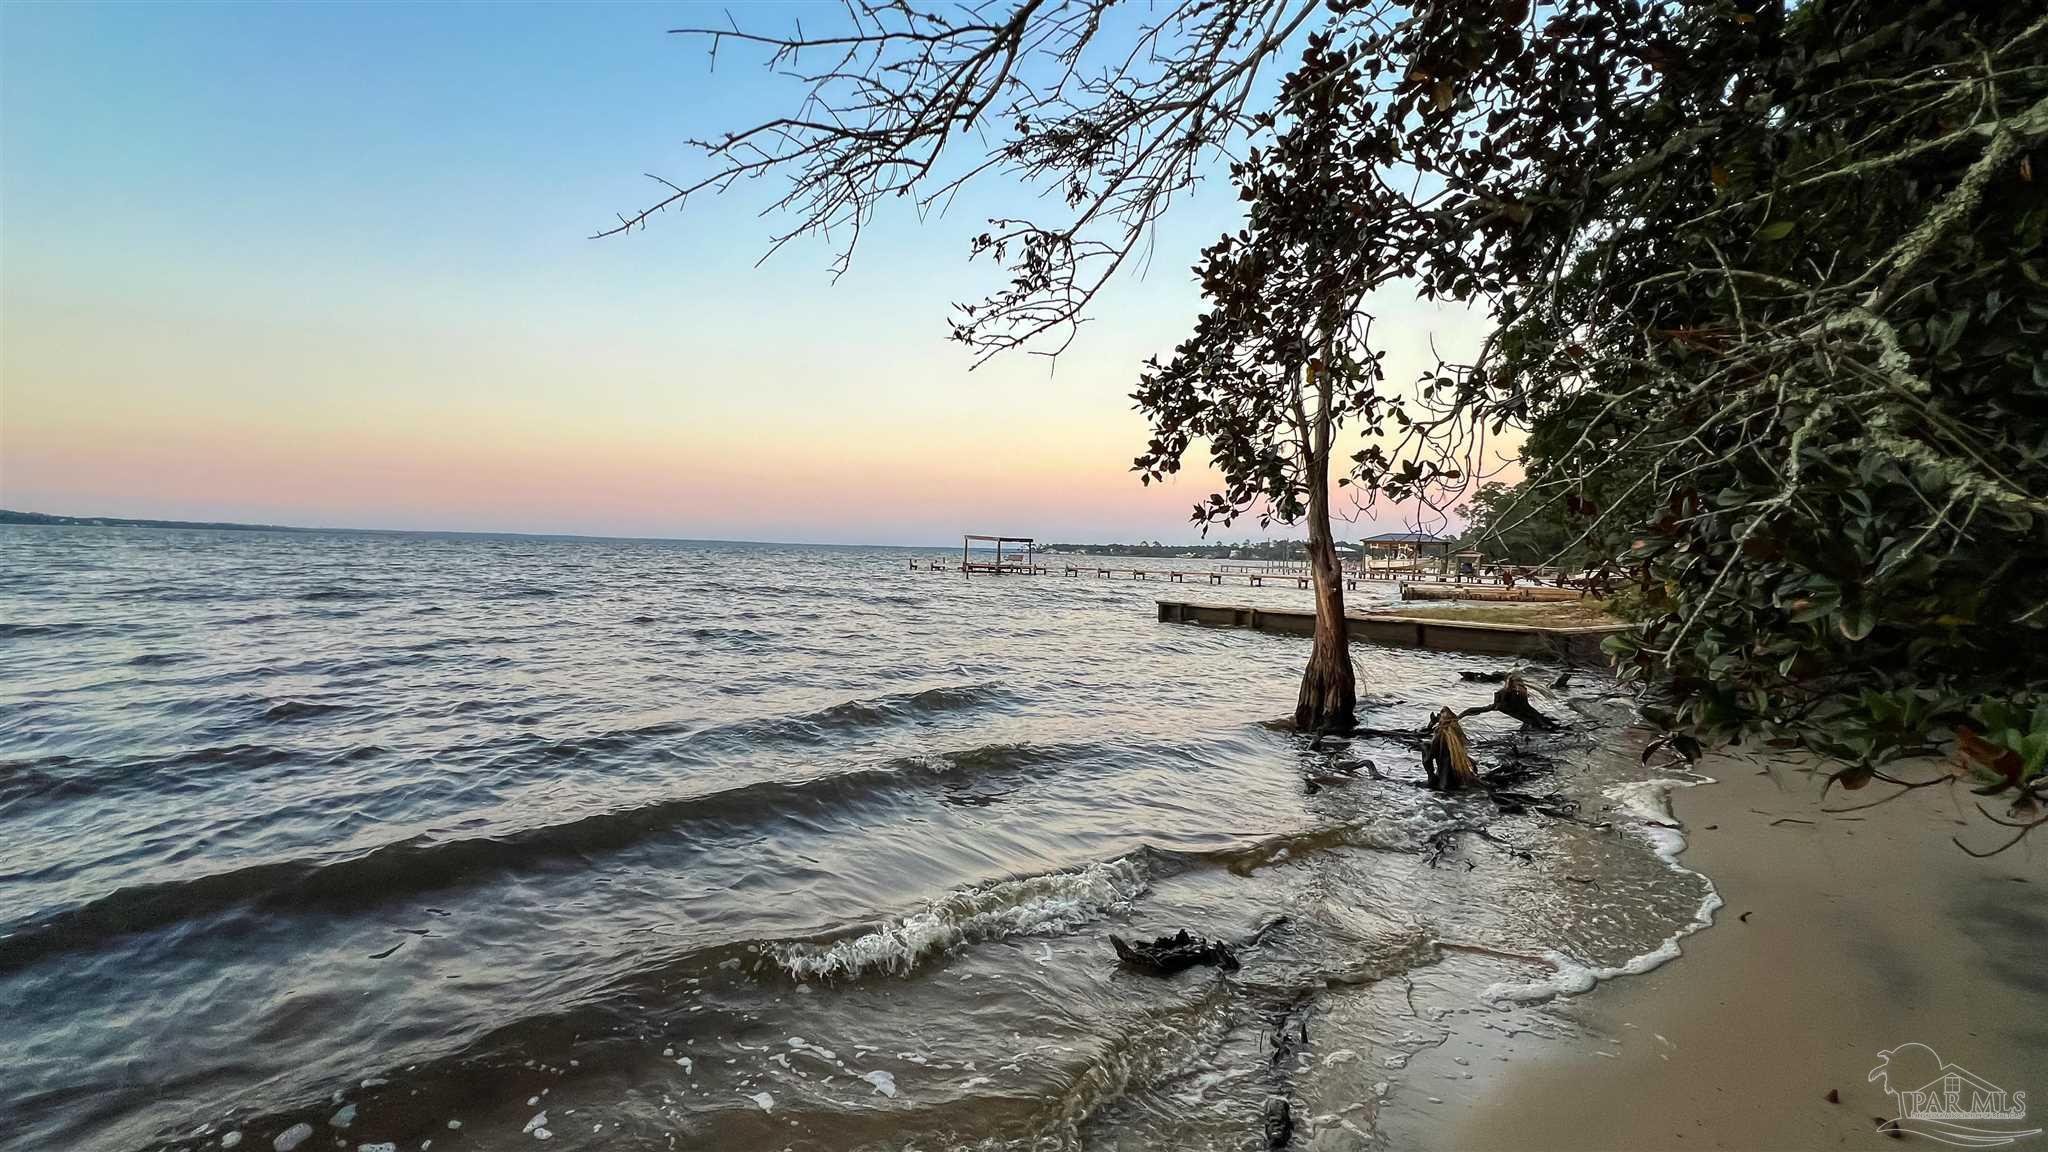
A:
[984,554]
[1280,575]
[1573,643]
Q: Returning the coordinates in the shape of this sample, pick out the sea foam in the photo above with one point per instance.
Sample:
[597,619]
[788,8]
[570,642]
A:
[1033,905]
[1647,806]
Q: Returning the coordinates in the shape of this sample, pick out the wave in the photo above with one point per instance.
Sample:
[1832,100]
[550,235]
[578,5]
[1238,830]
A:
[1648,802]
[815,727]
[300,710]
[426,862]
[159,659]
[330,595]
[32,779]
[1052,903]
[528,593]
[855,713]
[178,594]
[10,631]
[1031,906]
[27,781]
[730,635]
[84,776]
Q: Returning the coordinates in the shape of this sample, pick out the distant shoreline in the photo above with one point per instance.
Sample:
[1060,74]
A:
[1278,549]
[44,519]
[8,516]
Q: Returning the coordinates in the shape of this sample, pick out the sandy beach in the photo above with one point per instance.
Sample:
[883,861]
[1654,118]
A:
[1839,939]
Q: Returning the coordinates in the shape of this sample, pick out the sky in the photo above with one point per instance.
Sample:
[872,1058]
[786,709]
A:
[331,265]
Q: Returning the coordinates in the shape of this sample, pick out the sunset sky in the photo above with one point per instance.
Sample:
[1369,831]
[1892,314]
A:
[329,265]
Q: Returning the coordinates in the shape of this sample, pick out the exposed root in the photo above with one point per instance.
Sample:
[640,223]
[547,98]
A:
[1442,841]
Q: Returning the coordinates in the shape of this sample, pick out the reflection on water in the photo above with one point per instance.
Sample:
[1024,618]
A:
[463,839]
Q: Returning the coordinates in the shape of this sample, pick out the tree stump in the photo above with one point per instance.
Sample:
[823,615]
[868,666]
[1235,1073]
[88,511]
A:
[1512,697]
[1449,759]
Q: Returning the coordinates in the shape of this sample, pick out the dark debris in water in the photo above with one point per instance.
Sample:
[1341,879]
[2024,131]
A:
[1169,954]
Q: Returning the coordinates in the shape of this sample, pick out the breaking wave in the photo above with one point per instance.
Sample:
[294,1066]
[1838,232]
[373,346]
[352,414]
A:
[1031,906]
[1647,804]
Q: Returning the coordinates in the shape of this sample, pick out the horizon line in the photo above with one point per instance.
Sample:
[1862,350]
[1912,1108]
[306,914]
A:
[241,526]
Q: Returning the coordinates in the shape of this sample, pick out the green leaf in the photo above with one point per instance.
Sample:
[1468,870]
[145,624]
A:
[1858,622]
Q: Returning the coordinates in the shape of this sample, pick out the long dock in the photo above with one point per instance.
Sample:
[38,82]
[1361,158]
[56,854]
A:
[1574,643]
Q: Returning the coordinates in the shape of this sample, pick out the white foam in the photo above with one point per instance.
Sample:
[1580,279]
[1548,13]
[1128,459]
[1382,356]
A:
[1648,804]
[1058,902]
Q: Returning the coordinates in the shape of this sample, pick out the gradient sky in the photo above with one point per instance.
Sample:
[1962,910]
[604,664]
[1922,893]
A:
[329,265]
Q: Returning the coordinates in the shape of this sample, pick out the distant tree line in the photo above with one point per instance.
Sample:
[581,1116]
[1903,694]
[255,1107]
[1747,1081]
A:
[1247,550]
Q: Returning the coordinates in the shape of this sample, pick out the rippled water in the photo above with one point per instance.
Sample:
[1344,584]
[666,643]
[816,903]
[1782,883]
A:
[416,837]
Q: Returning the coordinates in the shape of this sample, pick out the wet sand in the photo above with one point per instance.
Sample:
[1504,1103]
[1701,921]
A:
[1839,938]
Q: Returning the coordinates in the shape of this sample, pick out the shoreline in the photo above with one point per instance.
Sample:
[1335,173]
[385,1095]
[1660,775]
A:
[1840,936]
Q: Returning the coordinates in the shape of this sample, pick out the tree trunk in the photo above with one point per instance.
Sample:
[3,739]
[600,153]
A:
[1329,688]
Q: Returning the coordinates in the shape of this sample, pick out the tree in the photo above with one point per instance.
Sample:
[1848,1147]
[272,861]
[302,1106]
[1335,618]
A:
[1502,522]
[1804,295]
[1279,360]
[1115,107]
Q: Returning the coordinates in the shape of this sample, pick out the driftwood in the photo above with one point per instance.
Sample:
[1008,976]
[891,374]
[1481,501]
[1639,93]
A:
[1406,735]
[1562,682]
[1554,806]
[1449,759]
[1169,954]
[1279,1122]
[1440,844]
[1512,698]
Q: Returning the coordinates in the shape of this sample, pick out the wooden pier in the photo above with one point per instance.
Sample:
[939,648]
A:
[999,566]
[1578,643]
[1225,575]
[991,555]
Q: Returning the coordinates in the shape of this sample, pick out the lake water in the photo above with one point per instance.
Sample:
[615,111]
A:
[655,844]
